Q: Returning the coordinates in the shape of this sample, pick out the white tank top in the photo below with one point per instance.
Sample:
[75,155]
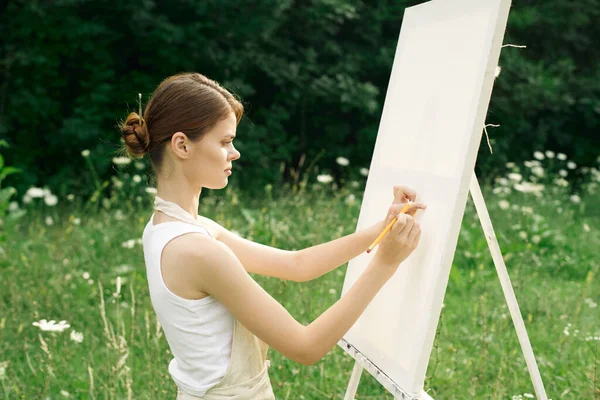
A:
[199,332]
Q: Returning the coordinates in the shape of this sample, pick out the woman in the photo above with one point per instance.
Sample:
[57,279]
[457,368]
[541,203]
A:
[217,320]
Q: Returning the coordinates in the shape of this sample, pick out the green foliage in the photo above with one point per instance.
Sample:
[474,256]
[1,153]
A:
[313,77]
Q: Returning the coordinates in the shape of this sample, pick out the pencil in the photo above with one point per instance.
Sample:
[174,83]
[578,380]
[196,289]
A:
[387,229]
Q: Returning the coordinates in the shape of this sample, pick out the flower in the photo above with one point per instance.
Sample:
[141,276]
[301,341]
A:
[70,197]
[523,235]
[549,154]
[332,291]
[538,155]
[324,178]
[350,199]
[528,187]
[563,173]
[76,221]
[13,206]
[137,178]
[561,156]
[151,190]
[342,161]
[85,153]
[51,325]
[76,336]
[86,275]
[504,204]
[586,227]
[128,244]
[364,172]
[536,239]
[539,171]
[49,221]
[510,165]
[528,395]
[35,193]
[571,165]
[575,199]
[513,176]
[50,199]
[121,160]
[139,165]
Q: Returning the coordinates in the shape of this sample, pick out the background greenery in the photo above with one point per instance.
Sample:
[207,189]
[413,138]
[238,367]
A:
[313,75]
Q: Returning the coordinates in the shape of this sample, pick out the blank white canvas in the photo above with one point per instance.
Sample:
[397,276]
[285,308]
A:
[428,139]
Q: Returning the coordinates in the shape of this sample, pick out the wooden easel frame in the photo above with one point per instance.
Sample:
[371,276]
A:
[361,362]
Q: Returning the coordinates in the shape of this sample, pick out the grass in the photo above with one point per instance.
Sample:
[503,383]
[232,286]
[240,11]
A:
[551,255]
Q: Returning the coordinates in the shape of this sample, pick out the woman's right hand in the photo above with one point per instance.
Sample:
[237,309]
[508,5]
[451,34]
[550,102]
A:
[399,242]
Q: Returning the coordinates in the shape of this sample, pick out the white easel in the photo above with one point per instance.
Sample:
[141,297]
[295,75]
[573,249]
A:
[363,363]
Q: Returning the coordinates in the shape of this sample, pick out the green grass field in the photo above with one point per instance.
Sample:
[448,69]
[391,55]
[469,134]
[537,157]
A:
[68,270]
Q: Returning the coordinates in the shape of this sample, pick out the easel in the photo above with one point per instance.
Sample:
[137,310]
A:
[363,363]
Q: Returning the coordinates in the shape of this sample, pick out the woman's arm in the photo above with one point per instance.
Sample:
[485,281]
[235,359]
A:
[317,260]
[218,272]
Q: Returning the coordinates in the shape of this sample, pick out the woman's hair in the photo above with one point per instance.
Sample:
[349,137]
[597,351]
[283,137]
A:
[187,102]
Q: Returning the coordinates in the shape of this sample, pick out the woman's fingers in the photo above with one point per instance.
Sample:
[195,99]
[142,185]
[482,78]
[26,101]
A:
[414,207]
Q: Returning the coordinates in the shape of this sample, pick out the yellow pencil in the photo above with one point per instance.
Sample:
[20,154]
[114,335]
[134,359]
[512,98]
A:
[387,229]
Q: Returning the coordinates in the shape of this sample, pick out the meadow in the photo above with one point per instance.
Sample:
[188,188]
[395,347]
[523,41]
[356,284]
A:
[76,319]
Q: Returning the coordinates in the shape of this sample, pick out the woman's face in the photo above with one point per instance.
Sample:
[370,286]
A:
[213,155]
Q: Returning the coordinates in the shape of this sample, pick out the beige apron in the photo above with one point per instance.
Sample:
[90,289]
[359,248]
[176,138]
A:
[246,377]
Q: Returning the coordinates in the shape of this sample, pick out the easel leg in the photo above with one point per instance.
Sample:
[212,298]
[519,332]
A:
[507,288]
[353,383]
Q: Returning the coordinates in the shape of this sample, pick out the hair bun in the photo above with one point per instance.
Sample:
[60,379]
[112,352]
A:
[135,134]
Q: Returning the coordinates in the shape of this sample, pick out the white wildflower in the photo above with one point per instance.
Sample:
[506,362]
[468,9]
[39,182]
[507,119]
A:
[35,192]
[76,221]
[575,199]
[571,165]
[324,178]
[51,325]
[504,204]
[539,171]
[561,156]
[90,281]
[26,199]
[513,176]
[586,227]
[86,275]
[538,155]
[528,187]
[561,182]
[344,162]
[350,199]
[137,178]
[549,154]
[128,244]
[70,197]
[502,181]
[354,184]
[510,165]
[523,235]
[121,160]
[528,395]
[534,163]
[332,291]
[49,221]
[563,173]
[536,239]
[151,190]
[13,206]
[139,165]
[591,303]
[119,216]
[50,199]
[76,336]
[364,172]
[85,153]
